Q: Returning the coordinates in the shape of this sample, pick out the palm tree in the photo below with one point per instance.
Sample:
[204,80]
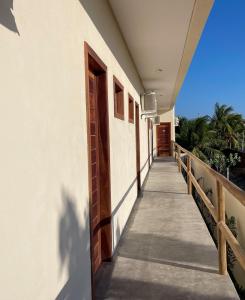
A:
[208,138]
[196,136]
[227,125]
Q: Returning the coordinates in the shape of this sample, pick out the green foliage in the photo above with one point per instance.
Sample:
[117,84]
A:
[227,125]
[221,162]
[208,137]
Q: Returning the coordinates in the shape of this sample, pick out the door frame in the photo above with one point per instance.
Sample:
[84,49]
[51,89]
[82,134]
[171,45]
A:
[148,142]
[105,221]
[137,146]
[152,144]
[170,135]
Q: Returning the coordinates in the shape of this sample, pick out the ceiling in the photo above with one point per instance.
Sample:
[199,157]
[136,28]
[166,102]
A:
[161,36]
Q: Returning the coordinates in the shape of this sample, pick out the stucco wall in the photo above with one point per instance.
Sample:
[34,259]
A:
[44,224]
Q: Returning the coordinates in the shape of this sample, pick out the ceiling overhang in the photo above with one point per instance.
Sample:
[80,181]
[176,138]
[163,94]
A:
[162,36]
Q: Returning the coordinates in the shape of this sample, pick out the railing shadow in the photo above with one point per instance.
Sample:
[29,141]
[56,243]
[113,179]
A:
[7,18]
[169,251]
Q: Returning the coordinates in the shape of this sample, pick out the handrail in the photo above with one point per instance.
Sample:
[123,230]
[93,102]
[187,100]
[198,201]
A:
[229,186]
[224,233]
[232,241]
[205,199]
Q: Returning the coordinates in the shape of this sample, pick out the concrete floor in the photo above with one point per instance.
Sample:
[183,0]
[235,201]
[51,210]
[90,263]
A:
[166,251]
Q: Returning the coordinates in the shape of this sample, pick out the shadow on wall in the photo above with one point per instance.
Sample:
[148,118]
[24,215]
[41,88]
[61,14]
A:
[7,18]
[74,251]
[103,277]
[99,11]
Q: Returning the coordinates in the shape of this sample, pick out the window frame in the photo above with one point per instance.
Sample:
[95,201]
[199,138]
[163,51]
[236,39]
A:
[130,100]
[117,85]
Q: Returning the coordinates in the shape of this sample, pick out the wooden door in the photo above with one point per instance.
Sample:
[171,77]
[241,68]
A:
[95,175]
[98,160]
[164,139]
[137,137]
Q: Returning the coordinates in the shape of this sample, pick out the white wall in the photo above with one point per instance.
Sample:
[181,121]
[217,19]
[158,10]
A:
[44,223]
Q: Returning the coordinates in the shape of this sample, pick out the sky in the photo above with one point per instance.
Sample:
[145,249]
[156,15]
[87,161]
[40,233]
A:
[217,71]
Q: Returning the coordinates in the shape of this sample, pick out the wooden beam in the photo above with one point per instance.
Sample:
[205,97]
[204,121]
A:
[238,193]
[189,182]
[204,197]
[221,237]
[234,244]
[179,159]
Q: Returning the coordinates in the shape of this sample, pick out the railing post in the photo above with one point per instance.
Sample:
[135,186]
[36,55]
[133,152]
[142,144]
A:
[179,162]
[221,238]
[175,154]
[189,182]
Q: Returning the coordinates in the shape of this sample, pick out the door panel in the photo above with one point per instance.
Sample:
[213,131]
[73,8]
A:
[164,139]
[95,175]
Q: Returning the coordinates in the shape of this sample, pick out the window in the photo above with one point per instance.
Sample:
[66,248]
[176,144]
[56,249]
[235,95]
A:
[130,109]
[118,99]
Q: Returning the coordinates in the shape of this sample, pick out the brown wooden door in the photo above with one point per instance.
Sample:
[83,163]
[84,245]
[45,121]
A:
[164,139]
[94,142]
[98,160]
[137,137]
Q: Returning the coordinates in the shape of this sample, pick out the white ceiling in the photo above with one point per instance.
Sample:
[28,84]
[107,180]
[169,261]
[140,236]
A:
[156,33]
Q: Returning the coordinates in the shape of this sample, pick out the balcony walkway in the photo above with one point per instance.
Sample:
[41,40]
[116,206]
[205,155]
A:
[166,251]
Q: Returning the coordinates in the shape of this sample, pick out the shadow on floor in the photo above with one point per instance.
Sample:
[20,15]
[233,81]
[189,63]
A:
[168,251]
[7,18]
[161,192]
[122,288]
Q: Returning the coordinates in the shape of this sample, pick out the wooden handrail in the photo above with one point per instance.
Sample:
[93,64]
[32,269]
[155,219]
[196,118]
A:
[205,199]
[238,193]
[233,242]
[183,165]
[224,233]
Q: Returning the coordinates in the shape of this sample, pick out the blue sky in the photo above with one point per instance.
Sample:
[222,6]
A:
[217,71]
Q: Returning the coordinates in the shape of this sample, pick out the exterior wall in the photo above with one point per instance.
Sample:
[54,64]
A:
[233,208]
[169,116]
[44,223]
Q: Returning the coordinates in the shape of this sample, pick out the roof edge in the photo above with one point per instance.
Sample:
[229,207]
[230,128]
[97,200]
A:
[200,14]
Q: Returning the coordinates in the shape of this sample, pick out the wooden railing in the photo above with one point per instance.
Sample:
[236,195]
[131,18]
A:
[224,233]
